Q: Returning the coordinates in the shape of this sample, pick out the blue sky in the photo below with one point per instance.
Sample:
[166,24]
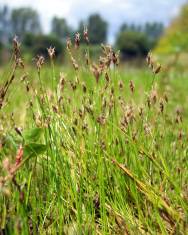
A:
[114,11]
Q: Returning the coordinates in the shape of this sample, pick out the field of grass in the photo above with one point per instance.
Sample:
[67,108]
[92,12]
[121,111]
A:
[92,149]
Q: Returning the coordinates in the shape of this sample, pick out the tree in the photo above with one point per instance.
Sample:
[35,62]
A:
[132,44]
[60,28]
[175,37]
[136,40]
[97,28]
[154,30]
[4,24]
[131,27]
[124,27]
[38,44]
[24,20]
[81,26]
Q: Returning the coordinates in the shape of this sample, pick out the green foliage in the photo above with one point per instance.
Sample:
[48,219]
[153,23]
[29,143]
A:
[34,149]
[97,28]
[60,28]
[24,20]
[5,26]
[99,158]
[154,31]
[130,27]
[33,135]
[133,44]
[94,51]
[38,44]
[136,40]
[176,36]
[29,40]
[101,149]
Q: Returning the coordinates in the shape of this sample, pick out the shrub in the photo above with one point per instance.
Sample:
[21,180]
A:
[175,37]
[133,44]
[39,44]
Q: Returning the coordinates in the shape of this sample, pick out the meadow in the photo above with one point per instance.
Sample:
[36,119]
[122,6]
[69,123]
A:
[92,147]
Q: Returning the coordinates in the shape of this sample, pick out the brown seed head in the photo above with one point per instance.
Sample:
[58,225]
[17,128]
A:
[77,40]
[19,155]
[140,111]
[51,52]
[39,62]
[120,84]
[101,119]
[16,47]
[148,58]
[180,135]
[157,69]
[86,58]
[152,64]
[74,63]
[147,129]
[69,43]
[161,104]
[84,88]
[166,98]
[115,58]
[62,81]
[132,86]
[149,101]
[107,77]
[86,35]
[97,71]
[153,96]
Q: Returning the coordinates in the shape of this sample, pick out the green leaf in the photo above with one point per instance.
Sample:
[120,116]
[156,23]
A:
[33,135]
[33,149]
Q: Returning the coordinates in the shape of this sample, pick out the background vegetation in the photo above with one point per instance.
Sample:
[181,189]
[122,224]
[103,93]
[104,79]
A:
[25,23]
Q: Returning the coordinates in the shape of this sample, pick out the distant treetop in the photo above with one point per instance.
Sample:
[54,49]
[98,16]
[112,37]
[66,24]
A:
[175,38]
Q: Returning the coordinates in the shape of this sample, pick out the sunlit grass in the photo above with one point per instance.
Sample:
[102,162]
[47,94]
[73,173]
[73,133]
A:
[106,157]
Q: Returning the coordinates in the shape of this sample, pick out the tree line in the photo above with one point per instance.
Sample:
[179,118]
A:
[132,40]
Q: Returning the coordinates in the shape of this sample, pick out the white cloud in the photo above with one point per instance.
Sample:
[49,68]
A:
[46,10]
[114,11]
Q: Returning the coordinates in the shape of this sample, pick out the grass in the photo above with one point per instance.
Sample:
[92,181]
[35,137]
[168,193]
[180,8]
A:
[85,157]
